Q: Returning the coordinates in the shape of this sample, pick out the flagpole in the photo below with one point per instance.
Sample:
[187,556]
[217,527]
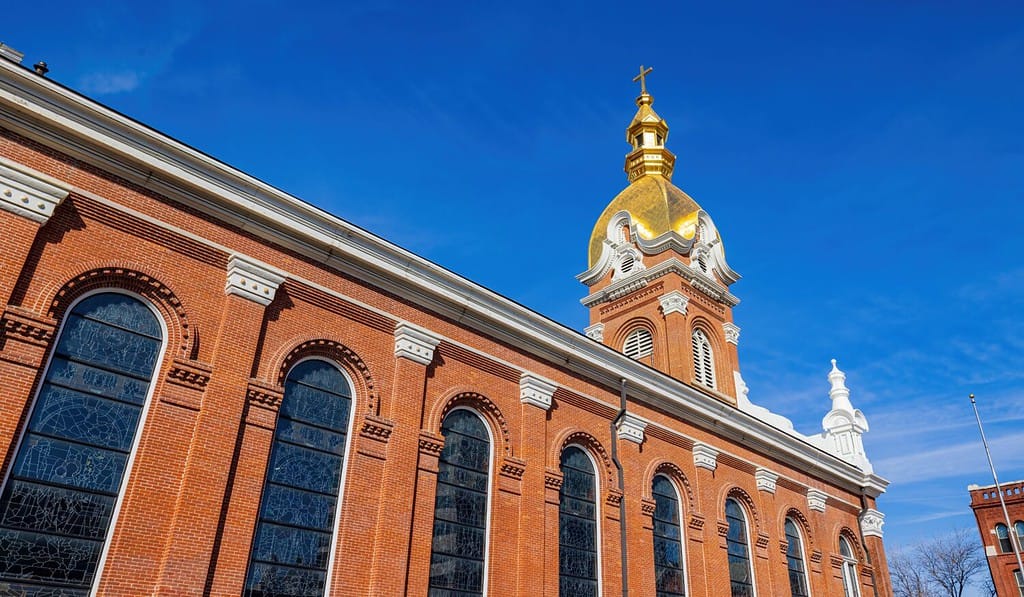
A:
[1011,531]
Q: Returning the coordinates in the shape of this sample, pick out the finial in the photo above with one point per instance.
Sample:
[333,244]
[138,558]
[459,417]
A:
[642,78]
[839,393]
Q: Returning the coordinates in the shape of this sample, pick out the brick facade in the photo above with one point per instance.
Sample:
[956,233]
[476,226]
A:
[988,513]
[189,505]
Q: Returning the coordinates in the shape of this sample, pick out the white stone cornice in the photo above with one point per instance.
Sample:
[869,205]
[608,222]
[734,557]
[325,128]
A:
[673,302]
[631,428]
[24,193]
[536,390]
[765,480]
[704,456]
[415,343]
[871,522]
[595,332]
[816,499]
[732,332]
[673,265]
[251,279]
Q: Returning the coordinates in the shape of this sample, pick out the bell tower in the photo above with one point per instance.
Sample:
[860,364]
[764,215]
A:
[657,277]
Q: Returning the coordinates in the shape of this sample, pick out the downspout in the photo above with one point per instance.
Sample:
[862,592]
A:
[622,486]
[867,552]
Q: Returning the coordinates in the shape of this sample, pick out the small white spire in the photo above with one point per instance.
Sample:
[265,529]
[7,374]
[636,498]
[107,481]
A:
[839,393]
[844,425]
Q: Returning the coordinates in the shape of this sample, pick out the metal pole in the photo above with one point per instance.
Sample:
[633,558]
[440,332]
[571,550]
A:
[1011,531]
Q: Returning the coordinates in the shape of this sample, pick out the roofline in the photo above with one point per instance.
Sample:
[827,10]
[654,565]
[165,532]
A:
[1002,484]
[59,117]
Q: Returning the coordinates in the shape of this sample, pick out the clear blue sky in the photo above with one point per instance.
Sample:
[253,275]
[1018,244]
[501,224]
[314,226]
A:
[864,162]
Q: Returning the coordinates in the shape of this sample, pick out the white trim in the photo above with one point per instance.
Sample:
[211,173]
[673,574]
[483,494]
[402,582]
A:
[252,279]
[536,390]
[595,332]
[154,379]
[631,428]
[673,302]
[598,513]
[816,499]
[871,522]
[24,194]
[415,343]
[491,479]
[705,456]
[765,480]
[732,332]
[76,125]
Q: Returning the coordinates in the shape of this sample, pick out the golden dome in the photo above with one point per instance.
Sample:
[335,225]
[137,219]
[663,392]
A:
[656,206]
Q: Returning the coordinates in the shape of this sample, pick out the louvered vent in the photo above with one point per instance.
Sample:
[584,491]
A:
[703,360]
[626,263]
[639,343]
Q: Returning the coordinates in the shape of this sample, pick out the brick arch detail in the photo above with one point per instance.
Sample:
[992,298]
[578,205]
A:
[673,472]
[332,350]
[631,324]
[801,520]
[740,495]
[479,404]
[854,541]
[587,442]
[55,299]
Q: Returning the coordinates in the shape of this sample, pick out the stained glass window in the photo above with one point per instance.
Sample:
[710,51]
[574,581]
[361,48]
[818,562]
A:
[668,547]
[56,506]
[577,526]
[292,543]
[460,509]
[851,588]
[737,544]
[795,561]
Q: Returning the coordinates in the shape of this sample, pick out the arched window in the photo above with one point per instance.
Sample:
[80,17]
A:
[1003,536]
[1018,528]
[577,526]
[737,543]
[1017,576]
[795,560]
[851,586]
[298,511]
[61,493]
[639,343]
[669,580]
[459,546]
[703,360]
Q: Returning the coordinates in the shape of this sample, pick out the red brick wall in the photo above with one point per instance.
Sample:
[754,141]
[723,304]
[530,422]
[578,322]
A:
[190,503]
[988,513]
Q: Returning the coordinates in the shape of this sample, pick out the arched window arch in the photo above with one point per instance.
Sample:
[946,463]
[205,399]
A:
[851,586]
[669,569]
[1018,528]
[578,564]
[459,547]
[59,499]
[703,359]
[795,560]
[1003,537]
[294,539]
[737,540]
[639,343]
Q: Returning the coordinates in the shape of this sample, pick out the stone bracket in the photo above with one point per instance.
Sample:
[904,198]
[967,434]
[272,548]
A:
[536,390]
[252,280]
[414,343]
[704,456]
[27,195]
[631,428]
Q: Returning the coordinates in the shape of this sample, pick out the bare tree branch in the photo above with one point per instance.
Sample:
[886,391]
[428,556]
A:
[951,562]
[908,580]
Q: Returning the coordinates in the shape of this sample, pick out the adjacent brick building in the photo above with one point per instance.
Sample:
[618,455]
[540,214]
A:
[998,537]
[212,387]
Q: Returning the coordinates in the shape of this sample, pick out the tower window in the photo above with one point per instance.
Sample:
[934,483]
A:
[639,140]
[639,343]
[703,360]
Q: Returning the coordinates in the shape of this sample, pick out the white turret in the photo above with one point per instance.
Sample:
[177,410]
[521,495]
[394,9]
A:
[844,425]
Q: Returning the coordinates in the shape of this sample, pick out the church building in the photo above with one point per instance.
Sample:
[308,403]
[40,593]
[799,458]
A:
[211,387]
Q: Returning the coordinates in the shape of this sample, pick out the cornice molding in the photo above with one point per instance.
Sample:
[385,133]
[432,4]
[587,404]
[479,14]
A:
[40,109]
[697,279]
[23,192]
[673,302]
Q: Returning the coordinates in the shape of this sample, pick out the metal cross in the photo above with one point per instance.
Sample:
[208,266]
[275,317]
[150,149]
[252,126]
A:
[641,78]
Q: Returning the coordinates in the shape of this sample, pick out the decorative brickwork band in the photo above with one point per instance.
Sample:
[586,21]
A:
[513,468]
[765,480]
[871,522]
[536,390]
[595,332]
[28,326]
[704,456]
[263,394]
[816,499]
[631,428]
[553,479]
[732,332]
[414,343]
[190,374]
[673,302]
[27,195]
[431,443]
[648,506]
[252,280]
[614,497]
[374,434]
[697,522]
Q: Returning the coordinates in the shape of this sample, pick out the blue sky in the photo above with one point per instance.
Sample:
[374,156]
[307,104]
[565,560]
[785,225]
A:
[863,161]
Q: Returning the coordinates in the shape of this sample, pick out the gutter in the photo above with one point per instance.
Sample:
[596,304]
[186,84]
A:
[622,486]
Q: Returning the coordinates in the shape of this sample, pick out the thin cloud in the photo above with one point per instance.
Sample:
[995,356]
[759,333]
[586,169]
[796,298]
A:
[952,461]
[110,83]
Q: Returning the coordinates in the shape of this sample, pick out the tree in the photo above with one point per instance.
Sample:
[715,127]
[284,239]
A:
[908,580]
[951,562]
